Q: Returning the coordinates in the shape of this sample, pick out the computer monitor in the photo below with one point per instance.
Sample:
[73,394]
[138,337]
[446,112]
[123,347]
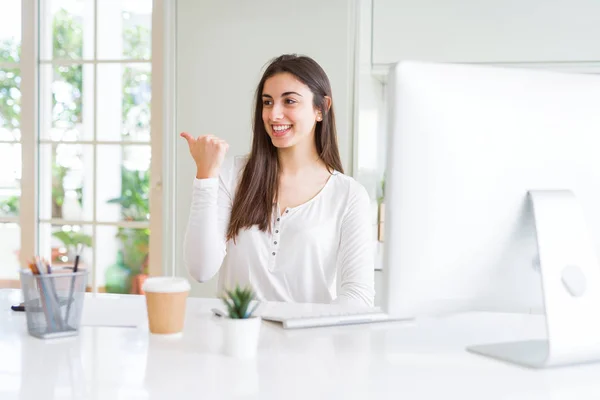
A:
[472,152]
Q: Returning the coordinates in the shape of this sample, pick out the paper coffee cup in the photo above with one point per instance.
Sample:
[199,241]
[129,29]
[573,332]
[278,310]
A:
[165,301]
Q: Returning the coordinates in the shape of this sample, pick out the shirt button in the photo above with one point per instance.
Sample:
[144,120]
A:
[287,211]
[273,253]
[278,219]
[274,242]
[276,231]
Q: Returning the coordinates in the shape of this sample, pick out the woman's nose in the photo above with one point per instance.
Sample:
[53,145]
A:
[276,113]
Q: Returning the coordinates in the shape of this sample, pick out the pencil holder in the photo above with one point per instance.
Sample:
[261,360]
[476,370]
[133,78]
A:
[53,302]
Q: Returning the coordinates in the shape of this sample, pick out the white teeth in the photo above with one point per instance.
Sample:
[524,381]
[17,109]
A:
[280,128]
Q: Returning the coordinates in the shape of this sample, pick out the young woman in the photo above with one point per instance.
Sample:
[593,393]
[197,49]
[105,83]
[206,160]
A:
[284,219]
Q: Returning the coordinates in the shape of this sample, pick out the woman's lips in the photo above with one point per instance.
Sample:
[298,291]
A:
[280,130]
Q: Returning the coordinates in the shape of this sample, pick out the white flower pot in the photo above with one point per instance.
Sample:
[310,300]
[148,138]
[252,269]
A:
[240,336]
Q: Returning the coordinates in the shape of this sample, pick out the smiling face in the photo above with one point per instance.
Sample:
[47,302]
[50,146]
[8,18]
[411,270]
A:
[288,112]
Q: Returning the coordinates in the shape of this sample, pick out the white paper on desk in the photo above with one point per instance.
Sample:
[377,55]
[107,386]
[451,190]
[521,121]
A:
[114,311]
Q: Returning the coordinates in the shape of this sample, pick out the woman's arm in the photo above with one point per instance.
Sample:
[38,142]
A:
[204,244]
[204,241]
[356,270]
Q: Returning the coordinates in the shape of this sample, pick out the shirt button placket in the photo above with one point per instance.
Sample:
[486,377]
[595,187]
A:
[274,247]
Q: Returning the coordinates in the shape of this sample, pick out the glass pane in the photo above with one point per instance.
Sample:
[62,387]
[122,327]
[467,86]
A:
[10,104]
[10,243]
[66,29]
[123,183]
[137,93]
[10,179]
[61,243]
[124,95]
[10,31]
[124,29]
[123,261]
[67,102]
[66,181]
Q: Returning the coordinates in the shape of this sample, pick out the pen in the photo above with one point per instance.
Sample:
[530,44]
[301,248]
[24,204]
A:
[35,268]
[72,288]
[54,293]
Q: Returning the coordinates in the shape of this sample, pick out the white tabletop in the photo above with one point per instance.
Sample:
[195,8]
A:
[397,360]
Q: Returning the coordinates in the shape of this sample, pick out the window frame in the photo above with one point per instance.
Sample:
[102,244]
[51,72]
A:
[162,191]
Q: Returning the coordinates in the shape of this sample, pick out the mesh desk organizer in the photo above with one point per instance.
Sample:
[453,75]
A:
[53,302]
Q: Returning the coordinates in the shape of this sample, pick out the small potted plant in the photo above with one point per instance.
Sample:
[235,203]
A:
[381,211]
[240,327]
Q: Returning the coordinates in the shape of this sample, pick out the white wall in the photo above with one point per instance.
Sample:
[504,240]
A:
[486,30]
[222,46]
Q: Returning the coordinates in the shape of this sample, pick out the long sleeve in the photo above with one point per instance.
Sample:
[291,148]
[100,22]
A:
[204,243]
[356,270]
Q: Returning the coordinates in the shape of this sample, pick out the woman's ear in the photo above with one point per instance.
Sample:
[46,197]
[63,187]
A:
[326,106]
[327,101]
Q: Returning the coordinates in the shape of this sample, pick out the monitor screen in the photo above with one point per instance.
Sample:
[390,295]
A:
[466,144]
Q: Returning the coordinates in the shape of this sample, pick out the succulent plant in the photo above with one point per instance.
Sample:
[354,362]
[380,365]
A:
[238,302]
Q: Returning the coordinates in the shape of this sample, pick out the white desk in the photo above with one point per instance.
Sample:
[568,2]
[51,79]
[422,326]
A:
[390,361]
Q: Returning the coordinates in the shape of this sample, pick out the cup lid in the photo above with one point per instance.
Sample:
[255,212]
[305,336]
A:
[166,284]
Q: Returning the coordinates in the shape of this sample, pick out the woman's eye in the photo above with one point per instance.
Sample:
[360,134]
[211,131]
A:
[267,102]
[290,101]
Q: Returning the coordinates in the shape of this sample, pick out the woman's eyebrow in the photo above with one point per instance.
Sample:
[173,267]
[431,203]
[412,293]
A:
[282,95]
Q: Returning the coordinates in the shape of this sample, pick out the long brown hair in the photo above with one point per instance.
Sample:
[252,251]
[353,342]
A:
[258,186]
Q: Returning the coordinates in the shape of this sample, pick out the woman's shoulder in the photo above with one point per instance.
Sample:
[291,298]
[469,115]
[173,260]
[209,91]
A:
[234,164]
[346,183]
[231,170]
[351,195]
[348,193]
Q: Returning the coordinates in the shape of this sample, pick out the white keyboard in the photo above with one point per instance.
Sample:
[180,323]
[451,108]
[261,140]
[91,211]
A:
[295,316]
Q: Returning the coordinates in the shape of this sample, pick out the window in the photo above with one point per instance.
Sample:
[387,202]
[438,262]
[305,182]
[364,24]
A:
[10,138]
[87,155]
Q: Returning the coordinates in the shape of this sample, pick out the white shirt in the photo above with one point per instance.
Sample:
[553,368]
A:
[318,252]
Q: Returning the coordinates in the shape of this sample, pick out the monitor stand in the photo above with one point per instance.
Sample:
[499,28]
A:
[571,288]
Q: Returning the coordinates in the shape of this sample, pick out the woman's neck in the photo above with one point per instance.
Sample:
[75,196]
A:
[296,160]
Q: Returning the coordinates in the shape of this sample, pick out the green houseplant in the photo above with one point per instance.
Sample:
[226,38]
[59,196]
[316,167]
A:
[10,206]
[238,302]
[241,328]
[130,270]
[381,211]
[71,240]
